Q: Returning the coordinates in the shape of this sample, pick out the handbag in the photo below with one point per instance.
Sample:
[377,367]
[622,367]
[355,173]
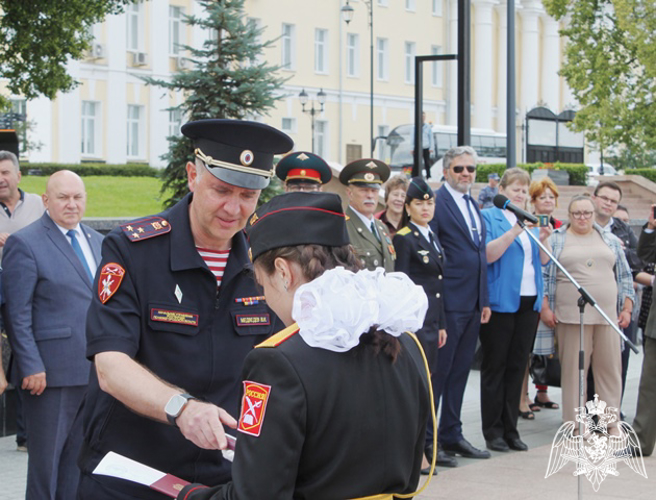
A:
[545,369]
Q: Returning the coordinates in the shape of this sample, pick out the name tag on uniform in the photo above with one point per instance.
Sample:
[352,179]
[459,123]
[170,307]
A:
[253,319]
[178,317]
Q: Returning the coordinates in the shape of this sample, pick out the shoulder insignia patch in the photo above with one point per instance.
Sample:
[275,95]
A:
[253,407]
[278,338]
[110,279]
[403,231]
[146,228]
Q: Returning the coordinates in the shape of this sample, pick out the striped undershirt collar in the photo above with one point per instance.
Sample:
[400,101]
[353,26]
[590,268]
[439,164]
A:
[216,261]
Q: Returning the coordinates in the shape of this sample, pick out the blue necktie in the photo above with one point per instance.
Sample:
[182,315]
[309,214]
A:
[477,240]
[80,254]
[373,230]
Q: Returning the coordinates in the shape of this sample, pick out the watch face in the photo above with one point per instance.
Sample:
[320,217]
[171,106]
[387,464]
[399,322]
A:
[175,405]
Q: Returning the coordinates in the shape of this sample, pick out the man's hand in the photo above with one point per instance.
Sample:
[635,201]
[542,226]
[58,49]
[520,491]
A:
[3,239]
[36,383]
[485,315]
[201,423]
[624,319]
[3,381]
[442,338]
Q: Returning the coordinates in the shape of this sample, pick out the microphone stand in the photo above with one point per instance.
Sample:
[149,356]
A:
[584,299]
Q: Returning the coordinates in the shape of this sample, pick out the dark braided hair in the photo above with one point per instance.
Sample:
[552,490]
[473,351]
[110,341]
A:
[314,260]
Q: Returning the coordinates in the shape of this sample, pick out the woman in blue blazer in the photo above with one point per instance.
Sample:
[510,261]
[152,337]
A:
[514,275]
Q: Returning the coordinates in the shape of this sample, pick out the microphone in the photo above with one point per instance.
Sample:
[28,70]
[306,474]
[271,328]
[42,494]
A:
[502,202]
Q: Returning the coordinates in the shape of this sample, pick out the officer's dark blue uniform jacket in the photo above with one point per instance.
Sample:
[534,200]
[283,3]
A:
[424,264]
[196,340]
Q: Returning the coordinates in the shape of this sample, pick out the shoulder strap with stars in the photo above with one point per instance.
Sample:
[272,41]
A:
[146,228]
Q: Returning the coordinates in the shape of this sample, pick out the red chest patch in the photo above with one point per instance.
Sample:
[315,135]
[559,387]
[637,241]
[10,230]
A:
[253,407]
[110,279]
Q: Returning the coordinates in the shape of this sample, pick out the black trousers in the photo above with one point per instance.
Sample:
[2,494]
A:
[506,341]
[427,163]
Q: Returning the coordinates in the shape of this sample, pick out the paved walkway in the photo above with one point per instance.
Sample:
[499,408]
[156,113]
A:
[506,476]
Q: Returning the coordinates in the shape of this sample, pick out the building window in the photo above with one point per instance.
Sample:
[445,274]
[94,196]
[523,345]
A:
[352,54]
[381,145]
[321,138]
[90,128]
[288,47]
[382,49]
[135,28]
[256,25]
[175,122]
[437,77]
[437,7]
[410,49]
[289,125]
[176,29]
[135,114]
[410,5]
[321,51]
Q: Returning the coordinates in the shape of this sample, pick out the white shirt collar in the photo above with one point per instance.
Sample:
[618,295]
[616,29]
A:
[367,221]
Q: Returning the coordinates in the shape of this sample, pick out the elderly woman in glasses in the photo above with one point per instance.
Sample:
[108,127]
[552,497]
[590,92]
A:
[596,260]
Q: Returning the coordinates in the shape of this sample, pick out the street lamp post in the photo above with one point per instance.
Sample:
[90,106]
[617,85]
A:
[321,98]
[347,13]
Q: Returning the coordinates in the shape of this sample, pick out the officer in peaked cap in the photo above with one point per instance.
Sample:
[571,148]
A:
[303,171]
[175,312]
[369,236]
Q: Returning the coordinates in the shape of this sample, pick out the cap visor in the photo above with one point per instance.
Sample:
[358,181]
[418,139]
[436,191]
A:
[239,179]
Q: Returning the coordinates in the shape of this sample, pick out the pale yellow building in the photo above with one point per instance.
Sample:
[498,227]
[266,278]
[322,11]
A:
[113,117]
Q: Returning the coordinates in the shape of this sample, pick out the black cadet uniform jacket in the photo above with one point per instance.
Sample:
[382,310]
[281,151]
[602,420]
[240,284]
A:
[326,425]
[424,264]
[167,315]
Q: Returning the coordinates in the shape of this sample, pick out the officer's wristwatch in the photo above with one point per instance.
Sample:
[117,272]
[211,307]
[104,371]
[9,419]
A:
[175,406]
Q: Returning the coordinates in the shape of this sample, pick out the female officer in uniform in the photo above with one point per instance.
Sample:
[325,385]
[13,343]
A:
[420,256]
[335,405]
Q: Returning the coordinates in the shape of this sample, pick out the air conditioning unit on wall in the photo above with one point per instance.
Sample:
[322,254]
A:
[98,50]
[139,59]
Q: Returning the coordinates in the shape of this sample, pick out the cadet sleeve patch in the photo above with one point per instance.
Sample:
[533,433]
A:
[403,231]
[110,279]
[147,228]
[253,407]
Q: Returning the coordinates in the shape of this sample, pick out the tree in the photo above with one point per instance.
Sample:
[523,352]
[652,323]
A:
[227,81]
[38,37]
[610,66]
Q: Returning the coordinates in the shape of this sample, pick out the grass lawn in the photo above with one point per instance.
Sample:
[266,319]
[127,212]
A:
[111,196]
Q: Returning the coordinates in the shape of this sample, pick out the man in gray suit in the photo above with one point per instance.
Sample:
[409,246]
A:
[47,282]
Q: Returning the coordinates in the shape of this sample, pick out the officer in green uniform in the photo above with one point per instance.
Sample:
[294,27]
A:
[303,171]
[369,236]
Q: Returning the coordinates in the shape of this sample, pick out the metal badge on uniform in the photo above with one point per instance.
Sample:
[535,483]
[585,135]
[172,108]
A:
[178,294]
[424,254]
[253,407]
[111,276]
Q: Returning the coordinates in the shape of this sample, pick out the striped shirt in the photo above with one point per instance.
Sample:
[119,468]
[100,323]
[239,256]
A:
[216,261]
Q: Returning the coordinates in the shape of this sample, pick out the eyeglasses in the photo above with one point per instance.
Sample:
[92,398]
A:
[608,200]
[582,215]
[458,169]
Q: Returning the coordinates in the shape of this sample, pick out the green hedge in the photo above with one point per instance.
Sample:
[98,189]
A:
[88,169]
[648,173]
[577,171]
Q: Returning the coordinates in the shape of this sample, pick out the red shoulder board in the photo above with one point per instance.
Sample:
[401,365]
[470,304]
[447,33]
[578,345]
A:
[144,229]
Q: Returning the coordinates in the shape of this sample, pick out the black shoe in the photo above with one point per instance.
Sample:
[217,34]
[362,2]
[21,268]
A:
[497,444]
[426,471]
[444,460]
[465,449]
[517,444]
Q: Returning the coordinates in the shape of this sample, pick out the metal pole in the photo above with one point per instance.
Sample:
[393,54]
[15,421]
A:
[464,73]
[419,92]
[511,142]
[371,93]
[312,119]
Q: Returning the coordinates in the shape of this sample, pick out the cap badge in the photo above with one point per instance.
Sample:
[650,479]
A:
[371,164]
[254,219]
[426,196]
[303,172]
[369,176]
[302,157]
[246,157]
